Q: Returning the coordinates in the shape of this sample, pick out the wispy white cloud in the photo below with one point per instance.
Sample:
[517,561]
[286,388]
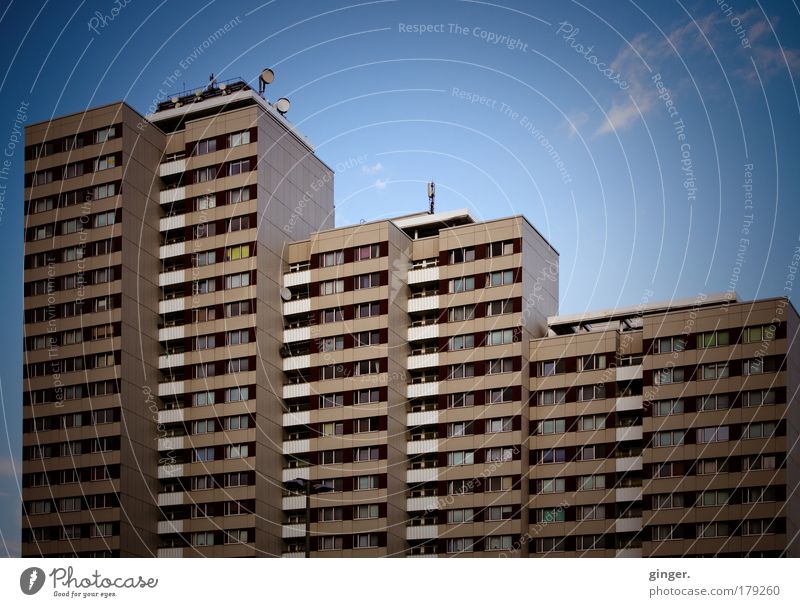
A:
[574,121]
[372,169]
[380,184]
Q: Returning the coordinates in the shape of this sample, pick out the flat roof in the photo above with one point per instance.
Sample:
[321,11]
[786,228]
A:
[416,220]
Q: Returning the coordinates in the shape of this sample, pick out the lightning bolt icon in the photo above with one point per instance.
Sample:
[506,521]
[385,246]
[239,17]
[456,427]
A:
[34,575]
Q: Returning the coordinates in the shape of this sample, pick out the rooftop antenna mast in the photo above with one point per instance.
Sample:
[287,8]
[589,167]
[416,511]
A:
[432,196]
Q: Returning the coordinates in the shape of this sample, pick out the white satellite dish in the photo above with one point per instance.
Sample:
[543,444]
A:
[286,294]
[282,105]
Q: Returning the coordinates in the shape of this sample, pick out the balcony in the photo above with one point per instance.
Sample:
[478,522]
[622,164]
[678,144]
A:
[172,498]
[293,502]
[415,447]
[298,334]
[300,418]
[420,361]
[172,195]
[293,363]
[171,388]
[422,475]
[627,464]
[628,525]
[422,532]
[175,277]
[293,555]
[292,531]
[296,390]
[170,471]
[171,443]
[176,249]
[170,526]
[423,304]
[628,494]
[170,553]
[297,306]
[421,390]
[291,447]
[423,332]
[628,433]
[292,279]
[423,275]
[172,167]
[629,373]
[629,403]
[170,416]
[289,474]
[173,222]
[167,306]
[170,333]
[168,361]
[422,418]
[629,553]
[422,504]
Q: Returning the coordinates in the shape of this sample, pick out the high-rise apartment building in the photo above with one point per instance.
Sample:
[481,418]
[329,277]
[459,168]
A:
[212,368]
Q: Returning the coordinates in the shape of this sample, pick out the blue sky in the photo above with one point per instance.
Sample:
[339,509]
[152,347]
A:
[624,131]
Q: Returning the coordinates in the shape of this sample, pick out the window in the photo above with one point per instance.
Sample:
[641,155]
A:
[462,255]
[102,220]
[331,315]
[365,511]
[460,487]
[365,540]
[329,542]
[714,498]
[590,452]
[591,513]
[499,513]
[550,485]
[201,483]
[662,533]
[206,258]
[329,287]
[203,454]
[462,399]
[238,167]
[461,342]
[671,375]
[331,372]
[459,544]
[757,495]
[363,397]
[370,251]
[552,426]
[552,456]
[237,394]
[331,344]
[73,170]
[366,454]
[203,538]
[237,365]
[499,395]
[712,435]
[665,470]
[368,281]
[500,365]
[237,308]
[551,397]
[460,515]
[662,408]
[204,230]
[500,337]
[714,402]
[592,362]
[459,313]
[763,526]
[365,482]
[592,482]
[105,162]
[107,190]
[759,430]
[593,392]
[459,429]
[461,371]
[668,438]
[499,424]
[331,429]
[711,466]
[236,479]
[498,307]
[240,138]
[241,251]
[713,339]
[42,205]
[69,504]
[237,536]
[101,530]
[70,226]
[760,462]
[201,399]
[714,371]
[757,366]
[367,338]
[460,458]
[42,177]
[756,398]
[498,249]
[460,285]
[666,501]
[547,368]
[236,451]
[757,335]
[592,422]
[498,279]
[499,542]
[499,454]
[330,456]
[365,424]
[495,484]
[103,135]
[234,281]
[669,344]
[235,338]
[330,401]
[237,422]
[334,258]
[367,367]
[236,224]
[368,310]
[238,195]
[205,174]
[715,529]
[42,232]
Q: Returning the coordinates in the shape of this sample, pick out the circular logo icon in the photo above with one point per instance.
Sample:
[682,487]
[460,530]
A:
[31,580]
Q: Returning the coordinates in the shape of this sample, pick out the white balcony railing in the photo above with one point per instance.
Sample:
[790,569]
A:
[294,530]
[626,464]
[176,249]
[289,474]
[629,373]
[422,532]
[291,447]
[171,443]
[174,277]
[299,418]
[422,504]
[170,526]
[168,361]
[629,433]
[296,390]
[298,334]
[422,475]
[422,418]
[170,416]
[629,403]
[170,471]
[423,332]
[415,447]
[297,362]
[628,494]
[423,275]
[172,195]
[628,525]
[171,388]
[297,306]
[293,502]
[170,553]
[292,279]
[173,498]
[420,361]
[430,388]
[173,222]
[170,333]
[167,306]
[422,304]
